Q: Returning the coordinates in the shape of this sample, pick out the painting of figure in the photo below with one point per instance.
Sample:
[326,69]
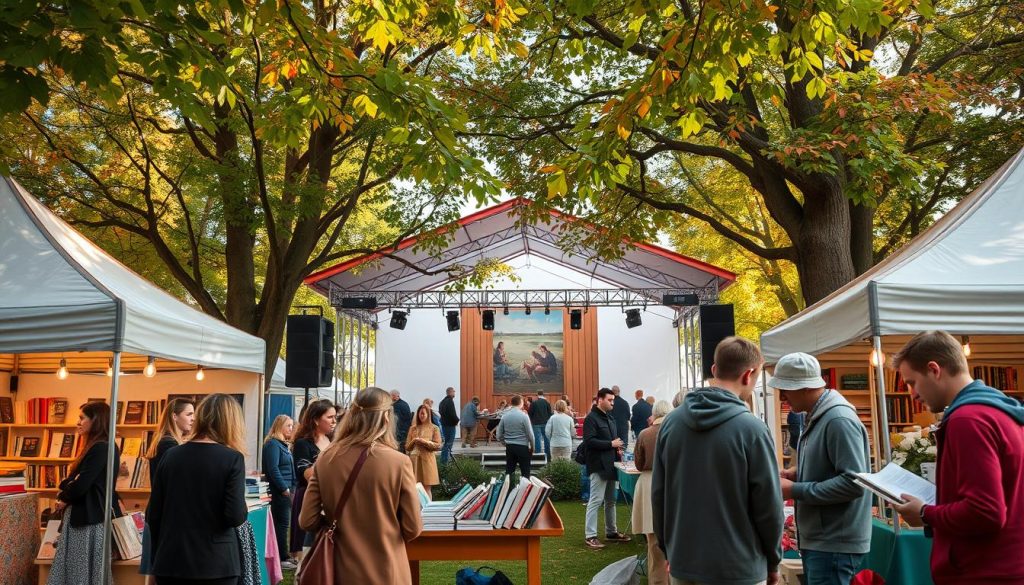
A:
[528,352]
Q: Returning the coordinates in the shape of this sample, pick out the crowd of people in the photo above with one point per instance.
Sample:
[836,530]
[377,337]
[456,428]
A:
[709,497]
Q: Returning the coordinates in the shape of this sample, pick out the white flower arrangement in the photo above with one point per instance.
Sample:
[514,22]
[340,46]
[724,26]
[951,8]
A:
[912,449]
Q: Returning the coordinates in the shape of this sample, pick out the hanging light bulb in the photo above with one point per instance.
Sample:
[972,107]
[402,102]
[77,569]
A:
[200,374]
[877,357]
[150,370]
[966,341]
[110,369]
[62,371]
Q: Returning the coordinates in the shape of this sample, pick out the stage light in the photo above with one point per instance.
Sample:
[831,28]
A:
[368,303]
[488,320]
[681,300]
[547,310]
[633,318]
[576,319]
[62,371]
[453,320]
[200,374]
[527,310]
[399,319]
[505,312]
[150,369]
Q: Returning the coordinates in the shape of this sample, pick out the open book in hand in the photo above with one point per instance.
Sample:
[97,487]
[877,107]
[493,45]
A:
[893,481]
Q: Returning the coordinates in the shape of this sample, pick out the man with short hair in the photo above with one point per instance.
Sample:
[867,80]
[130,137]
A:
[833,514]
[469,416]
[601,442]
[515,431]
[449,424]
[715,492]
[540,412]
[977,521]
[620,412]
[403,418]
[641,413]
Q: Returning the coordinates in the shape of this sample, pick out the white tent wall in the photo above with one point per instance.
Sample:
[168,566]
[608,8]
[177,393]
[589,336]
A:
[78,388]
[423,359]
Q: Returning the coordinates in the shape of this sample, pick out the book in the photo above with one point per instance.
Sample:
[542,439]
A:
[56,440]
[58,409]
[29,447]
[67,446]
[48,548]
[517,504]
[6,410]
[133,414]
[132,447]
[893,481]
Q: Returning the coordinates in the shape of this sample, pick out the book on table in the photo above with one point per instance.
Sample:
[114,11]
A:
[893,481]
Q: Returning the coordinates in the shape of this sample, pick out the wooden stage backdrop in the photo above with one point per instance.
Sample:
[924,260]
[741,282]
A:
[580,362]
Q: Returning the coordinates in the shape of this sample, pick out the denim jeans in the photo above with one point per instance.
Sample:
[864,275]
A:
[602,491]
[448,437]
[827,568]
[538,436]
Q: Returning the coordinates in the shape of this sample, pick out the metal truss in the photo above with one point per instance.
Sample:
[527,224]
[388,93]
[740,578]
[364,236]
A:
[568,298]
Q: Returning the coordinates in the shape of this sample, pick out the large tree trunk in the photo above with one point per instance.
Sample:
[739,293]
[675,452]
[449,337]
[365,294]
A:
[824,259]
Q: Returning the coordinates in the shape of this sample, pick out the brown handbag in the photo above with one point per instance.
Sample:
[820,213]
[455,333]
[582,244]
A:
[318,566]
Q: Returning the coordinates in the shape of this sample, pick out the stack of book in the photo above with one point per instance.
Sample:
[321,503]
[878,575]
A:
[495,504]
[44,476]
[127,531]
[38,411]
[134,471]
[854,381]
[12,478]
[257,492]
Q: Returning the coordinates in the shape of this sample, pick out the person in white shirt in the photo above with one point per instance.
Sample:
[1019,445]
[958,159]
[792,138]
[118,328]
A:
[559,429]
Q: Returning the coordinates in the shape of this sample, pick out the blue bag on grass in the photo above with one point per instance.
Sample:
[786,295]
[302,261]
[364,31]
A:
[469,576]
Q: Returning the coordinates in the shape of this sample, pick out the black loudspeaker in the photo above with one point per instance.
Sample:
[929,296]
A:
[368,303]
[399,319]
[633,318]
[716,323]
[488,320]
[453,320]
[306,352]
[575,319]
[326,353]
[683,300]
[14,383]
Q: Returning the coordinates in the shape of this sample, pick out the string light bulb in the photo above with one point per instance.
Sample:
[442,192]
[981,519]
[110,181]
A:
[150,369]
[966,341]
[110,368]
[62,371]
[877,358]
[200,374]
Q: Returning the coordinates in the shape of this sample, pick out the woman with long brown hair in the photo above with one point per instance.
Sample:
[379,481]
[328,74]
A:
[422,444]
[383,509]
[79,559]
[175,426]
[313,436]
[198,500]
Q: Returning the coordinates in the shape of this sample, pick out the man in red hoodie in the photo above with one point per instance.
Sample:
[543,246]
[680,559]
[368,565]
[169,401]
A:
[978,522]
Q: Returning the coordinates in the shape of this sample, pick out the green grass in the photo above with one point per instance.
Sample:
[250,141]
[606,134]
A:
[563,560]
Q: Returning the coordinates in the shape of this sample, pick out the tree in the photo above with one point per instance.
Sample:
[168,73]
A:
[242,141]
[853,122]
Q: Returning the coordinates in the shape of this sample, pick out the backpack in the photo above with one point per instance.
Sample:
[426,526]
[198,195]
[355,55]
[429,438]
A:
[580,454]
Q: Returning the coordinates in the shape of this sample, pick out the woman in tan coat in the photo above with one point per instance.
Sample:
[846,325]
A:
[643,514]
[423,442]
[383,510]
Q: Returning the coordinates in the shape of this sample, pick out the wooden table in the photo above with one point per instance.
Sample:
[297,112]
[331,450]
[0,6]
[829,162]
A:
[487,545]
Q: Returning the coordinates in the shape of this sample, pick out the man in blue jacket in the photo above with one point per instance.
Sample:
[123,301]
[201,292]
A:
[715,491]
[833,514]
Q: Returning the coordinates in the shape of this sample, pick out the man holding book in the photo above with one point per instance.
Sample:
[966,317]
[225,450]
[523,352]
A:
[978,520]
[833,514]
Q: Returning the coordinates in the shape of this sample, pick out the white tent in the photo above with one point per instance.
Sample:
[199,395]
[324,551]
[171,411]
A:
[61,292]
[964,275]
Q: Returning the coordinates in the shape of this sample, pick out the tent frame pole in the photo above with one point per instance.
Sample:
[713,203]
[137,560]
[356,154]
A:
[337,353]
[115,380]
[883,414]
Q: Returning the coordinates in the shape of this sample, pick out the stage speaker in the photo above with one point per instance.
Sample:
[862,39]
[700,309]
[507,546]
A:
[453,320]
[716,323]
[368,303]
[399,319]
[633,318]
[488,320]
[575,319]
[309,351]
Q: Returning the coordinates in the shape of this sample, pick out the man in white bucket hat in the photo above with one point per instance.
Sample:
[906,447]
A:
[833,514]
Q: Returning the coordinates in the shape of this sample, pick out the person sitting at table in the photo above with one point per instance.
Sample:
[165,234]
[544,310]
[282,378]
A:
[494,419]
[643,513]
[382,513]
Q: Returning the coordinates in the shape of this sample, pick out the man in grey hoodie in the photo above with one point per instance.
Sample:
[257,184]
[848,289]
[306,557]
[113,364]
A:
[715,488]
[833,514]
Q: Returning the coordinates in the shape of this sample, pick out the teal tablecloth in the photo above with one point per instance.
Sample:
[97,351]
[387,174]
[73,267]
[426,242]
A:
[258,519]
[627,482]
[900,560]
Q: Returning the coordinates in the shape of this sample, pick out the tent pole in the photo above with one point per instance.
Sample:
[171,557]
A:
[349,353]
[359,354]
[115,380]
[337,353]
[883,425]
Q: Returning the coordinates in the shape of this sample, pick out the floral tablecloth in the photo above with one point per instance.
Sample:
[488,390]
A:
[19,539]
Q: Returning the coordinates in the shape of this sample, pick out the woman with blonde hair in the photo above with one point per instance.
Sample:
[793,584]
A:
[383,509]
[79,558]
[560,430]
[422,443]
[175,426]
[279,469]
[643,514]
[198,500]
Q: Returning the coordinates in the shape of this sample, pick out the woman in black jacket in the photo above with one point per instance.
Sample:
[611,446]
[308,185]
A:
[198,500]
[79,558]
[314,435]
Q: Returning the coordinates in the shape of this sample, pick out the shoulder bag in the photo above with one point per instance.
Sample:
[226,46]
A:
[318,566]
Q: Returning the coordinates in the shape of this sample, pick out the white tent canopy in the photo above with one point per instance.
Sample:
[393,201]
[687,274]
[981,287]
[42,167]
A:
[964,275]
[61,292]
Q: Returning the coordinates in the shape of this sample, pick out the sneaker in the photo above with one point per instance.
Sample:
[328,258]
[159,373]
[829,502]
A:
[617,537]
[594,543]
[288,565]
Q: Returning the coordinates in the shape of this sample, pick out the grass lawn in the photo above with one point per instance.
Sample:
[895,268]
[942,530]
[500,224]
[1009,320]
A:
[563,560]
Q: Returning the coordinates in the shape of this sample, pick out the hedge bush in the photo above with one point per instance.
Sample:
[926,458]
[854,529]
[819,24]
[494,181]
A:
[564,477]
[457,472]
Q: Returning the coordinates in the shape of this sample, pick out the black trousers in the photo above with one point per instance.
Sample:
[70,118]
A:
[281,512]
[175,581]
[517,455]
